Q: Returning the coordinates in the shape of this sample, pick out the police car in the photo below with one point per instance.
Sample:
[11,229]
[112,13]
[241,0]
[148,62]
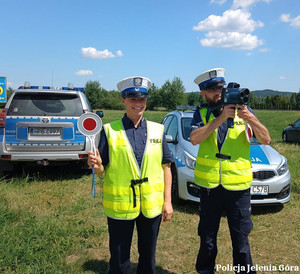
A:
[38,126]
[271,177]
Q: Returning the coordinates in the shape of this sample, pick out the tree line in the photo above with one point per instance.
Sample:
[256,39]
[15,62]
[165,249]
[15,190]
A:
[172,94]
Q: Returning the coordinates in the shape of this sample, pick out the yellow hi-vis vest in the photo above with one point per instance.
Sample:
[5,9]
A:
[127,190]
[211,170]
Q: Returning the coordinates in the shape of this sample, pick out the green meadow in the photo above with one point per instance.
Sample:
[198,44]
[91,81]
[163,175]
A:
[49,222]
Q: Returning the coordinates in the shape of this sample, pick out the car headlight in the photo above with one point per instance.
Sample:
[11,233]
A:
[283,168]
[190,160]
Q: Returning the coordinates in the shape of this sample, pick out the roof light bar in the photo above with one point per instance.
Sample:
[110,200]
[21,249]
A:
[69,87]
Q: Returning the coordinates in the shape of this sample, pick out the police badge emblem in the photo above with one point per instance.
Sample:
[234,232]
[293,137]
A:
[213,74]
[137,81]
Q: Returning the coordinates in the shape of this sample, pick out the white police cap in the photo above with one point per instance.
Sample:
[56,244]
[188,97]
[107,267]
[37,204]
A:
[211,79]
[136,86]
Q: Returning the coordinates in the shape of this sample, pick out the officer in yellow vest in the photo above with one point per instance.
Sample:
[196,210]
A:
[137,184]
[223,172]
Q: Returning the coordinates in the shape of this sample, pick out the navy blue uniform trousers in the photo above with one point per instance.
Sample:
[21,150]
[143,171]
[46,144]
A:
[236,204]
[120,238]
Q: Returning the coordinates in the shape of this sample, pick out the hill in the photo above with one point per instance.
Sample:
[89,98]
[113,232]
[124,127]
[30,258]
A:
[269,92]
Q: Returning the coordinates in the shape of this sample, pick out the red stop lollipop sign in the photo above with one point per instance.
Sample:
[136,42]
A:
[89,124]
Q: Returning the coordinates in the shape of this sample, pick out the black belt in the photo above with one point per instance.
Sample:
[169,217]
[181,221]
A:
[134,183]
[222,156]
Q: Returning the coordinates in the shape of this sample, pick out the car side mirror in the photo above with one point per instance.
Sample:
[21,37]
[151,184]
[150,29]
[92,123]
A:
[100,113]
[170,139]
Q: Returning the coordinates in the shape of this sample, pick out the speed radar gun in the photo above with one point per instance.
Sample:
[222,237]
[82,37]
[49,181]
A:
[90,124]
[233,94]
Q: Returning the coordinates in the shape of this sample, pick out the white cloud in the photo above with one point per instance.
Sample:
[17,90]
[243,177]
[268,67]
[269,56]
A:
[93,53]
[234,40]
[282,77]
[231,30]
[264,50]
[119,53]
[285,18]
[294,22]
[219,2]
[231,20]
[84,72]
[246,4]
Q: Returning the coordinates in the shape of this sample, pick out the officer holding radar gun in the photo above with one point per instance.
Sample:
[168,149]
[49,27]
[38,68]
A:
[135,160]
[224,127]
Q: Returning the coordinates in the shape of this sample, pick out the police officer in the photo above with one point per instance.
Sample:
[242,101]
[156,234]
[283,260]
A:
[223,171]
[137,184]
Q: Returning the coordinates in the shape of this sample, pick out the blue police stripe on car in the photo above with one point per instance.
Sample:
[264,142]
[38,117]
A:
[179,163]
[258,156]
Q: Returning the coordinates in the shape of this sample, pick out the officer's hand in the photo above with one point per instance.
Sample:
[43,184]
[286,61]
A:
[93,160]
[244,113]
[167,212]
[228,112]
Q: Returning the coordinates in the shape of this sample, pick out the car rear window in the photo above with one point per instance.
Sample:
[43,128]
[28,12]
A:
[46,104]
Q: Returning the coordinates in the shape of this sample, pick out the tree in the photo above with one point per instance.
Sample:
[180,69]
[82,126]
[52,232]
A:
[298,100]
[112,100]
[9,92]
[95,94]
[194,98]
[92,91]
[173,94]
[268,102]
[155,99]
[293,101]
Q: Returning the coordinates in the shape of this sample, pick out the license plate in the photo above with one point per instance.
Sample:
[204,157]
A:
[40,131]
[259,190]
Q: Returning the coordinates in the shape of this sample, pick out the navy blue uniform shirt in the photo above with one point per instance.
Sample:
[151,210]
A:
[137,138]
[222,129]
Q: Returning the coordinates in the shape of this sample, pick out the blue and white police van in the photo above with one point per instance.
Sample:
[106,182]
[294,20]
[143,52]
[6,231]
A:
[38,126]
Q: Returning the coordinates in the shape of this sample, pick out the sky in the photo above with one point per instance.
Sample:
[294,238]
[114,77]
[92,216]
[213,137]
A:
[56,42]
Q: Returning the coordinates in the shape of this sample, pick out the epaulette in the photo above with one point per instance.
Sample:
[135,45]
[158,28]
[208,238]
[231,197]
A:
[205,105]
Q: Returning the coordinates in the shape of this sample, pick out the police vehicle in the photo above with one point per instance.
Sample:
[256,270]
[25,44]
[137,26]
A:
[271,177]
[38,126]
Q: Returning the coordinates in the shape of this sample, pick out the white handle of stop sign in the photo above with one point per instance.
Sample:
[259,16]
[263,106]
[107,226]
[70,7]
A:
[90,124]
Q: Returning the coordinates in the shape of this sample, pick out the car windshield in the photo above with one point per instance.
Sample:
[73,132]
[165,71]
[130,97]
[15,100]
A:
[186,128]
[29,104]
[297,123]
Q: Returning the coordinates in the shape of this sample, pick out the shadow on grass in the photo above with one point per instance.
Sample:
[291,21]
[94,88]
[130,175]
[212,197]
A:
[190,207]
[95,266]
[187,207]
[100,266]
[41,173]
[261,210]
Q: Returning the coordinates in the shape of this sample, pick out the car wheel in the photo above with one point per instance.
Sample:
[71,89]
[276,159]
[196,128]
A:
[174,188]
[284,137]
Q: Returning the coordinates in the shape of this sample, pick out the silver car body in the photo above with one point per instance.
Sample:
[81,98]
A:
[271,177]
[29,136]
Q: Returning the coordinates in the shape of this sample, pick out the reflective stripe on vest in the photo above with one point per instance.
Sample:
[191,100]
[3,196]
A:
[119,201]
[234,173]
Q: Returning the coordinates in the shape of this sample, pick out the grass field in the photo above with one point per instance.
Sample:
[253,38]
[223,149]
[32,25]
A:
[49,223]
